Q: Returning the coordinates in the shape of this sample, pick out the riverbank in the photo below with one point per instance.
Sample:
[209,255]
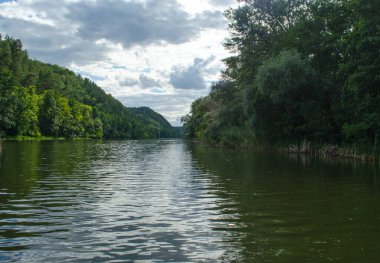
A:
[353,152]
[328,150]
[39,138]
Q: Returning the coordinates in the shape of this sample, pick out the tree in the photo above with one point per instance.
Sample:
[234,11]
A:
[288,102]
[50,118]
[361,74]
[27,120]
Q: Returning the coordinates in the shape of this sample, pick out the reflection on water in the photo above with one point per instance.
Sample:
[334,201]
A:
[293,208]
[170,201]
[100,201]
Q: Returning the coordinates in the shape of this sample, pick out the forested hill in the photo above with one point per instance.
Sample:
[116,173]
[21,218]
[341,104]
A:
[146,114]
[300,70]
[42,99]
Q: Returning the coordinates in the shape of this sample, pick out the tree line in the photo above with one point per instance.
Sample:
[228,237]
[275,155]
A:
[39,99]
[299,70]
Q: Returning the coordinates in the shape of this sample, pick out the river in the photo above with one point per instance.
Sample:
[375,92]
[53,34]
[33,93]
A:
[170,201]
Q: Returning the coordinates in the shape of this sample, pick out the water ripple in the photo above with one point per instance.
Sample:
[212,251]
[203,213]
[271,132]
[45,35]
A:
[165,201]
[129,201]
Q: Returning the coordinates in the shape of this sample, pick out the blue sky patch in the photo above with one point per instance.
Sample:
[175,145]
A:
[4,1]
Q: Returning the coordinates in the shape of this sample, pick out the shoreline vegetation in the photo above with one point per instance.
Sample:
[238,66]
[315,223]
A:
[303,77]
[29,138]
[305,148]
[50,138]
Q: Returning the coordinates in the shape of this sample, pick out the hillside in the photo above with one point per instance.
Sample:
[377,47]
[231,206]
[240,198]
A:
[149,117]
[42,99]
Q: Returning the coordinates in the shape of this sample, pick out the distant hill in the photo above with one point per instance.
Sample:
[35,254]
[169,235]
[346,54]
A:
[39,99]
[149,117]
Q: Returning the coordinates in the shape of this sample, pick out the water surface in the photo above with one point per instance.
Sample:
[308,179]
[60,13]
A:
[165,200]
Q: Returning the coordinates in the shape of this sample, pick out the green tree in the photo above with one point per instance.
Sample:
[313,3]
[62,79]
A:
[288,102]
[50,117]
[27,115]
[361,74]
[5,54]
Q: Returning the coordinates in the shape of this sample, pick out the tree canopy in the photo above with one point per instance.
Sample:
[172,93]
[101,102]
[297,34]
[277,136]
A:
[300,69]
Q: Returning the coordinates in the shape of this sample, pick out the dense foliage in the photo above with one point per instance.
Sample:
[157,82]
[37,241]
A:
[301,69]
[41,99]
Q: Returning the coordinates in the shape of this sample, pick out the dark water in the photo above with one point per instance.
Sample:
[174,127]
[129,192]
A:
[169,201]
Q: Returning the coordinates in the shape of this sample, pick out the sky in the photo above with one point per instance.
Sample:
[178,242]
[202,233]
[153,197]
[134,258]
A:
[157,53]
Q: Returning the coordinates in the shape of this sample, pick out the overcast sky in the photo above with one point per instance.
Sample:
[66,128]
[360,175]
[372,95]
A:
[157,53]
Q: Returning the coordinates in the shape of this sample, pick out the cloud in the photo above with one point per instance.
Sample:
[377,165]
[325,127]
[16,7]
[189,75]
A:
[82,32]
[187,78]
[51,45]
[222,2]
[211,19]
[140,23]
[143,81]
[147,82]
[128,82]
[190,77]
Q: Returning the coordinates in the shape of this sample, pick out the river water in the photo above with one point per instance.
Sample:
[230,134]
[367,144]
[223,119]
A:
[169,201]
